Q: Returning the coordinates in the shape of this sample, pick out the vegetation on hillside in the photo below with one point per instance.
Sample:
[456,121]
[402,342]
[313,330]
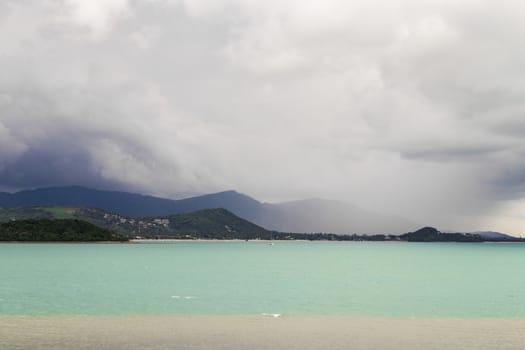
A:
[214,223]
[11,214]
[55,230]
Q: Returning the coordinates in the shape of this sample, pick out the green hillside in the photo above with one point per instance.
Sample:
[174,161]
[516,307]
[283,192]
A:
[27,213]
[215,223]
[209,223]
[55,230]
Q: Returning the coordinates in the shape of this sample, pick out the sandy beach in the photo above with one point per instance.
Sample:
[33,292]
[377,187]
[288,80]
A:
[258,332]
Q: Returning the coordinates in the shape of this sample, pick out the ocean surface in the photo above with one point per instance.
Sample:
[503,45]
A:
[254,278]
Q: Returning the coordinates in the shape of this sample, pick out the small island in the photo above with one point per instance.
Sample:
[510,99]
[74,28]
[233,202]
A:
[56,230]
[431,234]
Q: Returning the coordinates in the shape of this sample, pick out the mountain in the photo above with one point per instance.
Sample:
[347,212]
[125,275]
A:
[311,215]
[213,223]
[238,203]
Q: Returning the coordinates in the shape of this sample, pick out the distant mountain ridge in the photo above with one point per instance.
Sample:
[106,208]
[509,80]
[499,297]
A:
[310,215]
[124,203]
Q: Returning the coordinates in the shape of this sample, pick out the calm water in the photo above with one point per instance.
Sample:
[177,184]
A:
[299,278]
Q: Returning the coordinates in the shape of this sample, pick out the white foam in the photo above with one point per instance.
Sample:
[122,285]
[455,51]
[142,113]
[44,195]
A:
[271,315]
[188,297]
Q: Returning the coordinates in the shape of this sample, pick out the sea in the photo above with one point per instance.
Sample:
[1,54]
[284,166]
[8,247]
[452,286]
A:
[393,279]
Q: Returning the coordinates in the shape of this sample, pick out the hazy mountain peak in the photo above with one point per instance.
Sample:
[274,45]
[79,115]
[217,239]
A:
[231,193]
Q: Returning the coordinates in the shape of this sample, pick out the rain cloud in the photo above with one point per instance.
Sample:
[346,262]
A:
[412,108]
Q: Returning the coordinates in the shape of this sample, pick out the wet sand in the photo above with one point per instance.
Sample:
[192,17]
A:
[258,332]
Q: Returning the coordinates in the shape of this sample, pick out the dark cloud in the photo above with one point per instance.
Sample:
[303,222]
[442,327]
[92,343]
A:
[413,110]
[44,168]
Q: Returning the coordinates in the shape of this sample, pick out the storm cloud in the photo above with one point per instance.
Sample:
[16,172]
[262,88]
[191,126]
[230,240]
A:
[410,107]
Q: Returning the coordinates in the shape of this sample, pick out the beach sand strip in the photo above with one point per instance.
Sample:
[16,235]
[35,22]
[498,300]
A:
[258,333]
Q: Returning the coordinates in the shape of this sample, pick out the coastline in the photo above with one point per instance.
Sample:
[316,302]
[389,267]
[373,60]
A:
[267,241]
[258,332]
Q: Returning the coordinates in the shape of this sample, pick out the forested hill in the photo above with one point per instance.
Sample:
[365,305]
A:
[215,223]
[56,230]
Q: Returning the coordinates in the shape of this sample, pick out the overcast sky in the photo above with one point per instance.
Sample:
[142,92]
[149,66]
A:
[408,107]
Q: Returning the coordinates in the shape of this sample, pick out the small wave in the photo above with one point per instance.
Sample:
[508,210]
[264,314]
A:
[188,297]
[271,315]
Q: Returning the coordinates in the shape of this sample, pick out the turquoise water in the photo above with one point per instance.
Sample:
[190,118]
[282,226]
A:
[245,278]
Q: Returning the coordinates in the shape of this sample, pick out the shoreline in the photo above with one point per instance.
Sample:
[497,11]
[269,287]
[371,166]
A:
[139,241]
[258,332]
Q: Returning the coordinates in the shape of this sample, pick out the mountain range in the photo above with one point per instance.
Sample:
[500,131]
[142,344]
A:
[310,215]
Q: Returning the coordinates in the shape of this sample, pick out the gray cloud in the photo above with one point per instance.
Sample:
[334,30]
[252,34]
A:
[409,107]
[447,153]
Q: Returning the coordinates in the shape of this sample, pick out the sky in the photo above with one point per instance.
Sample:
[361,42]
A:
[409,107]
